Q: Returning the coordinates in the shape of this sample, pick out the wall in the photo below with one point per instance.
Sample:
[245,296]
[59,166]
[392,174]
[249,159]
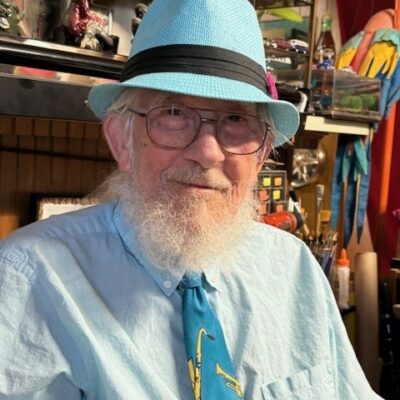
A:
[46,157]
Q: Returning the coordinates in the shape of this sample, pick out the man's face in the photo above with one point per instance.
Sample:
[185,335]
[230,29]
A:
[188,206]
[162,173]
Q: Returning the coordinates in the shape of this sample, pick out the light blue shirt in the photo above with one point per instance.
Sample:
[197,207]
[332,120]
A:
[84,316]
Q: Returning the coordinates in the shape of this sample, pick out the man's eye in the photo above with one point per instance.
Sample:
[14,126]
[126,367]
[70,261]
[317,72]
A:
[174,111]
[235,118]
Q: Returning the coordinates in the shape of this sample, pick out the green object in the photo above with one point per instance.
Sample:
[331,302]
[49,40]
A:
[286,13]
[368,101]
[326,23]
[356,103]
[345,100]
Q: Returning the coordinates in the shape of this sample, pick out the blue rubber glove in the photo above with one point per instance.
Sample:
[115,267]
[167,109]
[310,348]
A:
[385,87]
[361,157]
[394,90]
[390,91]
[363,192]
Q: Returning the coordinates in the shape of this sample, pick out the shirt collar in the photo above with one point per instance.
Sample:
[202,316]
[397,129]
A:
[166,280]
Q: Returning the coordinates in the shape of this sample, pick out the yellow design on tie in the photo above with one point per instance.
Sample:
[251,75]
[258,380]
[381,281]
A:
[230,381]
[195,370]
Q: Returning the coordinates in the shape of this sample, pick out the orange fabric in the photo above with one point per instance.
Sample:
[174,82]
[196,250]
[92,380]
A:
[381,235]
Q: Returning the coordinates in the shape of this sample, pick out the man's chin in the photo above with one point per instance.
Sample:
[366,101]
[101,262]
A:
[189,230]
[205,232]
[181,193]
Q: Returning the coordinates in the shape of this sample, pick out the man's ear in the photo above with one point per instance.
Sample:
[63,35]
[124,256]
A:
[115,137]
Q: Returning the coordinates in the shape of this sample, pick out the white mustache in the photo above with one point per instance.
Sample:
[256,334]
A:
[212,178]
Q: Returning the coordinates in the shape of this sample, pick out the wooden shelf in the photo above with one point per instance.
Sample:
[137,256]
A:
[27,52]
[317,123]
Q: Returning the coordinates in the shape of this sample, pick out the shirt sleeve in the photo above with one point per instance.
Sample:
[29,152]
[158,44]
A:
[31,363]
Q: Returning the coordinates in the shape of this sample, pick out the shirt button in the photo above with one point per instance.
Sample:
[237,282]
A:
[167,284]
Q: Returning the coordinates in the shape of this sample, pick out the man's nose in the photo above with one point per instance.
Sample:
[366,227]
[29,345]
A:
[205,149]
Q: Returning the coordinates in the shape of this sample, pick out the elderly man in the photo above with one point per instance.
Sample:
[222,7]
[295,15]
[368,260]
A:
[170,289]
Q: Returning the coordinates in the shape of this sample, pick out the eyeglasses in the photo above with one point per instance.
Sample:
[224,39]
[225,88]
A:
[176,127]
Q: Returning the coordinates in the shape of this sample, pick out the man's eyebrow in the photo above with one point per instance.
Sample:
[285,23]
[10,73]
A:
[238,107]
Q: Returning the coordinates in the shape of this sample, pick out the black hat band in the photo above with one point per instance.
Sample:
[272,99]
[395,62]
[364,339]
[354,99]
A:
[197,59]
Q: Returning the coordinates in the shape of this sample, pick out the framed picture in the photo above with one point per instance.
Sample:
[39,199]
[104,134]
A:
[48,206]
[103,16]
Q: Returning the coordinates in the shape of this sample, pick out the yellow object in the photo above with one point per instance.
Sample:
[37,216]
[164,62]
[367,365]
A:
[381,58]
[325,215]
[230,381]
[278,181]
[276,195]
[195,370]
[349,50]
[267,182]
[286,13]
[345,58]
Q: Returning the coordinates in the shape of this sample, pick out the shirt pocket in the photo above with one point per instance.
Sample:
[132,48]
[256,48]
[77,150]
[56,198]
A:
[315,383]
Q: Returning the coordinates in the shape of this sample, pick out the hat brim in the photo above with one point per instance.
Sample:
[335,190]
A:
[285,115]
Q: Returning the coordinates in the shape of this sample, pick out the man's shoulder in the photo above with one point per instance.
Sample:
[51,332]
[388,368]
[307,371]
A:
[270,248]
[266,237]
[280,264]
[87,221]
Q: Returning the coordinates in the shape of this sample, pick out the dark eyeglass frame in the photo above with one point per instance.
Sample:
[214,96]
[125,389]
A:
[202,119]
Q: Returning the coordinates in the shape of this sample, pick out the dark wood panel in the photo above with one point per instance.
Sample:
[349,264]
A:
[46,157]
[26,175]
[9,215]
[43,166]
[6,125]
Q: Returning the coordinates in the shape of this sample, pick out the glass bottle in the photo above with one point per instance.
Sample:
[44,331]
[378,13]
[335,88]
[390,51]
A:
[325,52]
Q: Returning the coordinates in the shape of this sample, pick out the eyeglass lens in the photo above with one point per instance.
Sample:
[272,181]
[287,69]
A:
[176,127]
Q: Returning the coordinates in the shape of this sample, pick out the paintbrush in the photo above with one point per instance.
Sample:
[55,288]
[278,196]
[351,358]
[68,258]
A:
[319,195]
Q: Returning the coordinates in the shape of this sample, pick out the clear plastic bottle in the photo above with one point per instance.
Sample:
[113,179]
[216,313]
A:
[343,278]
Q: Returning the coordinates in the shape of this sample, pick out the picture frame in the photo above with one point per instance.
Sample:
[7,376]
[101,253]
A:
[49,206]
[104,15]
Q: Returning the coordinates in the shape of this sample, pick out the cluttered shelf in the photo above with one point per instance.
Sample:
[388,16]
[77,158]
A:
[50,71]
[329,95]
[272,4]
[16,50]
[281,52]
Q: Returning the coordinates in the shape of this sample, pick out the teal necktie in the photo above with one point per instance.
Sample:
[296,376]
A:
[210,367]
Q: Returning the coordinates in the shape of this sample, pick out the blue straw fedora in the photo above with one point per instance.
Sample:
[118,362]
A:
[206,48]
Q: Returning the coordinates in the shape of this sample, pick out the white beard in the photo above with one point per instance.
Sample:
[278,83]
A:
[186,233]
